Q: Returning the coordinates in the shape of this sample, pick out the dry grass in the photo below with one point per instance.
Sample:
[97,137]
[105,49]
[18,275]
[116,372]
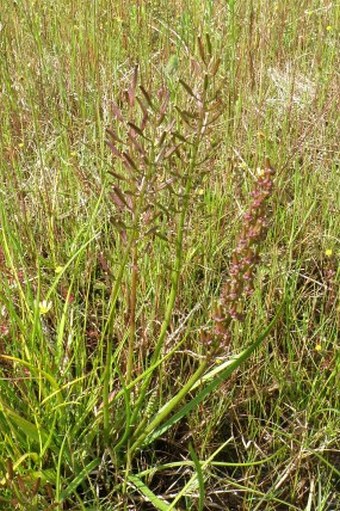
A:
[113,395]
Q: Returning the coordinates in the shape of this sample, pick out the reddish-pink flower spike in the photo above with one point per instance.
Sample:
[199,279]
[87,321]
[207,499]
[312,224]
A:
[245,256]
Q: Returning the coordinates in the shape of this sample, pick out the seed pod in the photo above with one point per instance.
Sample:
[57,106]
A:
[215,66]
[119,198]
[206,82]
[130,161]
[117,175]
[114,150]
[171,150]
[208,41]
[201,48]
[139,147]
[161,139]
[142,107]
[136,129]
[114,136]
[10,471]
[187,88]
[147,97]
[116,111]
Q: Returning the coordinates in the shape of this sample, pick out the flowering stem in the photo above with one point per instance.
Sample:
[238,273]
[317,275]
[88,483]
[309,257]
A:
[175,276]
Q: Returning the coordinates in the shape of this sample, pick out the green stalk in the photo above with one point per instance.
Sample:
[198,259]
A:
[108,359]
[175,275]
[132,319]
[131,247]
[166,410]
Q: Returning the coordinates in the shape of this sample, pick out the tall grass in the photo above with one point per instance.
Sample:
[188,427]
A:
[169,309]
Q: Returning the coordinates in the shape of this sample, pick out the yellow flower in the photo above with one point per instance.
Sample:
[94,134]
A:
[259,171]
[328,252]
[44,307]
[58,269]
[318,347]
[329,28]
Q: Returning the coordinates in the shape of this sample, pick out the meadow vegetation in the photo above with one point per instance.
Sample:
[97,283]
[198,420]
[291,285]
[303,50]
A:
[169,255]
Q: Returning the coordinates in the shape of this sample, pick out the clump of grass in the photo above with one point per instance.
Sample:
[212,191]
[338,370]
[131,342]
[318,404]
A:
[160,148]
[110,397]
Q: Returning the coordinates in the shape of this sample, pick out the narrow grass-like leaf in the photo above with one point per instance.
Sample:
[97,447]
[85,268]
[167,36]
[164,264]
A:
[41,374]
[218,378]
[80,478]
[160,504]
[200,478]
[31,430]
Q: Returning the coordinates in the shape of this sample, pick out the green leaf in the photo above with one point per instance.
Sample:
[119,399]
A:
[200,479]
[80,478]
[217,376]
[160,504]
[31,430]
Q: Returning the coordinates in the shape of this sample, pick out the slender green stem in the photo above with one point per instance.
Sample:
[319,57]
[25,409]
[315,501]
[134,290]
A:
[164,412]
[132,319]
[175,273]
[130,247]
[108,358]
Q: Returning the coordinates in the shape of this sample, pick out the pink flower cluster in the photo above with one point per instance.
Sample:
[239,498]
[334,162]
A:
[245,256]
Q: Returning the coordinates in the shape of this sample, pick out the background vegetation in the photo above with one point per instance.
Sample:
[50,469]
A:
[117,390]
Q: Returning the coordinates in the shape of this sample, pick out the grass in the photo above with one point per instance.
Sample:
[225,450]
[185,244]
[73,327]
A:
[128,379]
